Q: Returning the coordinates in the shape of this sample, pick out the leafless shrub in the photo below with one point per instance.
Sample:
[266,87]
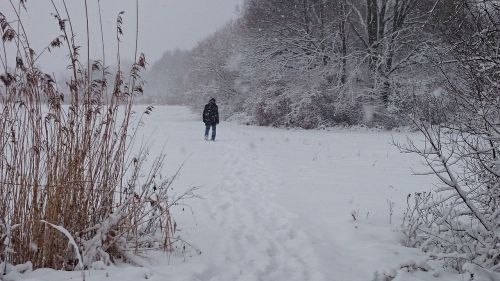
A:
[460,223]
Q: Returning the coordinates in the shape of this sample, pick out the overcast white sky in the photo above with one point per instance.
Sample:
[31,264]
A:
[164,25]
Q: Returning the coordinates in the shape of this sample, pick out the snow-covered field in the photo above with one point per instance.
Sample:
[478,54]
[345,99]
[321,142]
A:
[278,205]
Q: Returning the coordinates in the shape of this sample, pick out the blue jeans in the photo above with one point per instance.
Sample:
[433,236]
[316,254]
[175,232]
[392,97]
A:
[207,130]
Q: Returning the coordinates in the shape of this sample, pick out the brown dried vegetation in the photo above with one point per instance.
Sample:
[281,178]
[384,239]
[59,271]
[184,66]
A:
[66,158]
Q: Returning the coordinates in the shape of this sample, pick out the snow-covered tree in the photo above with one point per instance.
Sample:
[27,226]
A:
[460,223]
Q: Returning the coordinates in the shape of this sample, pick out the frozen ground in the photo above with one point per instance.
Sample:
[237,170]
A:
[278,205]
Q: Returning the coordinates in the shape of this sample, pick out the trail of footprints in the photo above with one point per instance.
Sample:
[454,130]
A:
[257,239]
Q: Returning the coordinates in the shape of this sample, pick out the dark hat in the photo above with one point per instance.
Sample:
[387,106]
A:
[212,100]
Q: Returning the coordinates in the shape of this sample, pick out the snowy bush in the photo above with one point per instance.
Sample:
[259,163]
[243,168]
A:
[272,111]
[305,112]
[71,189]
[460,223]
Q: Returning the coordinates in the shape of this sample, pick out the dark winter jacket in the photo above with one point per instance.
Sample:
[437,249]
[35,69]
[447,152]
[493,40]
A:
[211,114]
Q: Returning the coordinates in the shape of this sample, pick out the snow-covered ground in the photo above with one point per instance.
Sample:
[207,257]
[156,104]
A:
[278,205]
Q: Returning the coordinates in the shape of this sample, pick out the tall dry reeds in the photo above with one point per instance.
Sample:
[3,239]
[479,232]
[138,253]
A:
[66,162]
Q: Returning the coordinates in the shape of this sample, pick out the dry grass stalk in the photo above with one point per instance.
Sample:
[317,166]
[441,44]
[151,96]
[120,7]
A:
[67,164]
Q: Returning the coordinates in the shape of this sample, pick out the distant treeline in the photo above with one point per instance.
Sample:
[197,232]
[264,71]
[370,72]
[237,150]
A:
[312,63]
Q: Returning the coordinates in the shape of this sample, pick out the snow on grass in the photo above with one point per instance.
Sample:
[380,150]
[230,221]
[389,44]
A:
[280,205]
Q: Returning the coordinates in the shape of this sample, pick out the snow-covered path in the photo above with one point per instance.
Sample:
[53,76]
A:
[278,205]
[251,236]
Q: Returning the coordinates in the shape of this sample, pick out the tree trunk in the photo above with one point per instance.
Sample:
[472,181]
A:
[372,30]
[343,38]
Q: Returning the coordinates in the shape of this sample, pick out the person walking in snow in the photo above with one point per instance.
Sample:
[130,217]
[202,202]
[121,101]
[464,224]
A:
[211,118]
